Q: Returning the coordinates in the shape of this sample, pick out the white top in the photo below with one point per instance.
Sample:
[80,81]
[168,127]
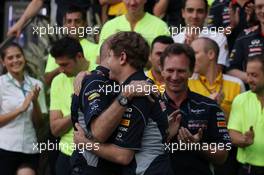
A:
[19,134]
[219,38]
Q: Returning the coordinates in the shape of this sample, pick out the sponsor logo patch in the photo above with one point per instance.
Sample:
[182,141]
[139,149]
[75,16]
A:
[258,49]
[93,96]
[221,124]
[125,122]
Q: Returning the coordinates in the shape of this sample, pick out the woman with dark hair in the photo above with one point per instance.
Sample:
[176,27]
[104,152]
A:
[20,114]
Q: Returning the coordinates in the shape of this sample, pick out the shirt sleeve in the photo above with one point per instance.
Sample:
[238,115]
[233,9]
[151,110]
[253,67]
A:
[236,56]
[94,100]
[130,130]
[217,128]
[215,16]
[55,93]
[235,117]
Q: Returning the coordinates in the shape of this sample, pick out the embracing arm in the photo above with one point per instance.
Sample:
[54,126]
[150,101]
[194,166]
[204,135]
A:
[59,125]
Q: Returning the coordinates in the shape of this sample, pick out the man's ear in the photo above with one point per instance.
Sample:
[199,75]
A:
[123,58]
[79,56]
[211,54]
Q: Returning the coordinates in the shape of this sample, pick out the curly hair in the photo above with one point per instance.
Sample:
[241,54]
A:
[133,45]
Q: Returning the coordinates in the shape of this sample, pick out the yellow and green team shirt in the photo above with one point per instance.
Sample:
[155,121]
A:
[246,112]
[61,100]
[229,85]
[149,27]
[90,51]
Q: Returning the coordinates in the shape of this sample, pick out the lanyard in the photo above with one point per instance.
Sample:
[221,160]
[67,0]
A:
[208,90]
[24,91]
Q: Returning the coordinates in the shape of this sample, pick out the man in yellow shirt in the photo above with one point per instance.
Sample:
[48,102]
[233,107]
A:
[74,19]
[68,54]
[208,79]
[158,45]
[246,121]
[137,20]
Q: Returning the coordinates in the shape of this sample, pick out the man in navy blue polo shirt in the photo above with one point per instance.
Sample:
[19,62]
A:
[202,137]
[87,105]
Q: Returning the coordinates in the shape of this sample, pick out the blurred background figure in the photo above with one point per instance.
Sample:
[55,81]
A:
[35,5]
[158,45]
[195,13]
[136,19]
[74,19]
[231,15]
[249,43]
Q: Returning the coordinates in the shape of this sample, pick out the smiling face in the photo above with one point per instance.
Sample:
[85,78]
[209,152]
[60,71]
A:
[176,72]
[194,13]
[14,60]
[255,76]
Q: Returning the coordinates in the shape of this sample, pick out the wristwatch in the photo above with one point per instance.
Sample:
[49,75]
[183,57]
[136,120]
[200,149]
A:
[122,100]
[89,135]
